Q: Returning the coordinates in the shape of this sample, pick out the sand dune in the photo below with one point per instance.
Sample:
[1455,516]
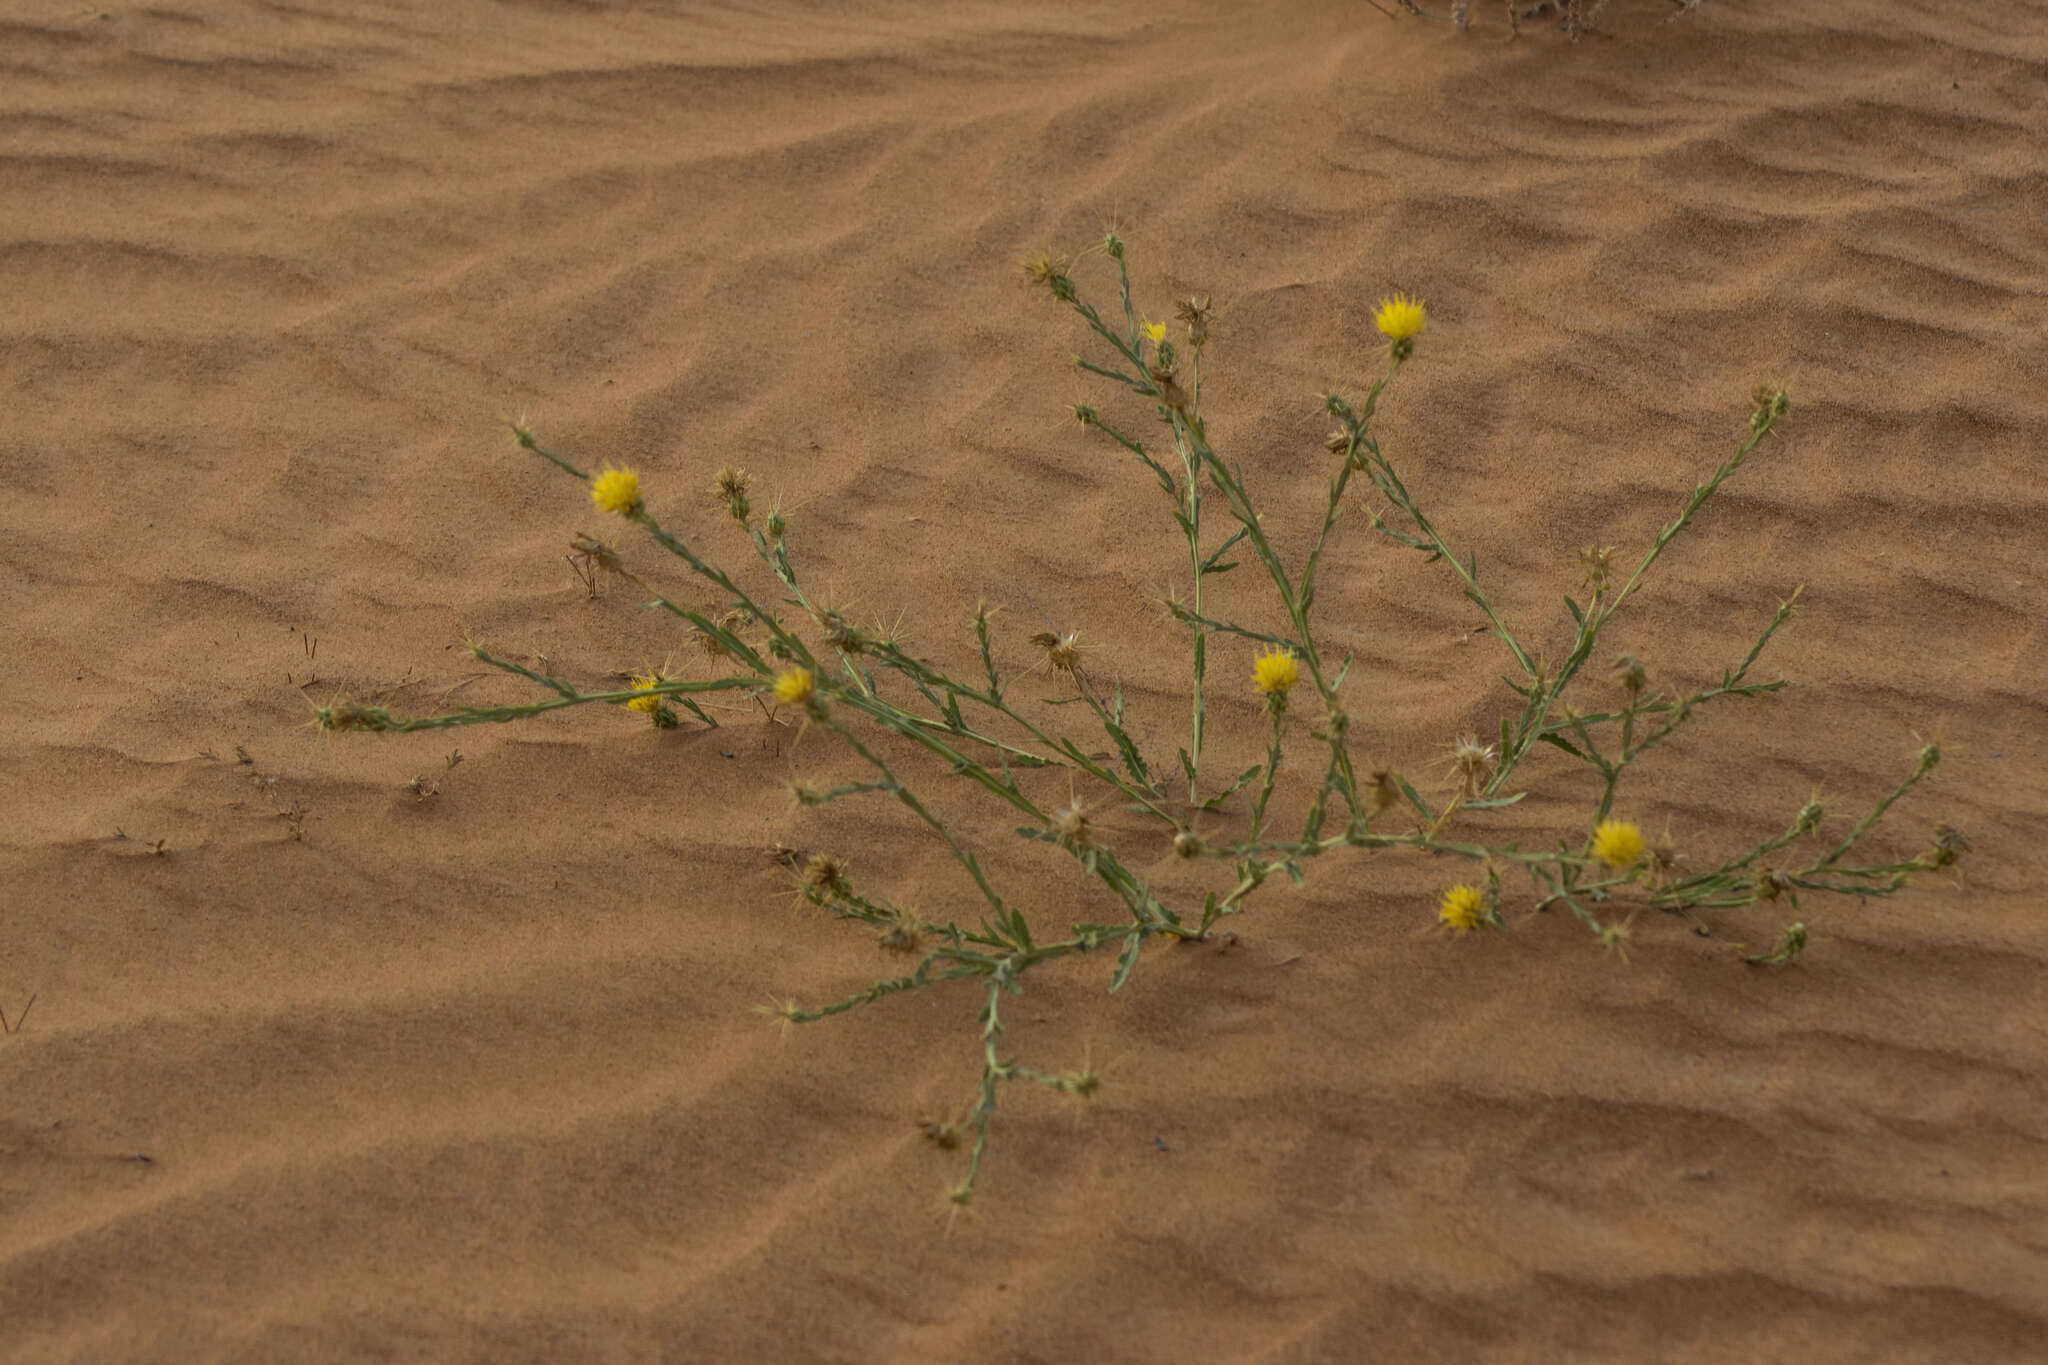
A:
[473,1075]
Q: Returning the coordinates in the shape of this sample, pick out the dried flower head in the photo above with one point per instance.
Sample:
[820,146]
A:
[1618,843]
[1194,311]
[1049,269]
[1949,845]
[1810,815]
[1162,374]
[841,633]
[1770,404]
[901,930]
[1462,909]
[1472,763]
[1615,937]
[729,485]
[1628,671]
[824,875]
[731,623]
[1598,562]
[1661,861]
[1063,652]
[616,490]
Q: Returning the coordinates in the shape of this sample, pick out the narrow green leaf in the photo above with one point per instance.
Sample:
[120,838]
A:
[1234,788]
[1127,961]
[1413,800]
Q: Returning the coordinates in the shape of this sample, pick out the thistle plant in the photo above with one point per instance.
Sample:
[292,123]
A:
[769,639]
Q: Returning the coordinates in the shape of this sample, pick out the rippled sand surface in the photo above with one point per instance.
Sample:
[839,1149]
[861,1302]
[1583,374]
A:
[473,1075]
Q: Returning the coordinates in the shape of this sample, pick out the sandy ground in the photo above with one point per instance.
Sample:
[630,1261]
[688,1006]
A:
[473,1075]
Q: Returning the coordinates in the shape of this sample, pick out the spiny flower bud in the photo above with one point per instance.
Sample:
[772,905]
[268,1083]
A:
[1598,562]
[1073,827]
[1770,403]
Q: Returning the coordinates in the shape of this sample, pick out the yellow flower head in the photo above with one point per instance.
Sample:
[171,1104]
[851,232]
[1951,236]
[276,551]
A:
[616,490]
[645,705]
[1155,330]
[796,686]
[1275,670]
[1399,317]
[1618,843]
[1463,909]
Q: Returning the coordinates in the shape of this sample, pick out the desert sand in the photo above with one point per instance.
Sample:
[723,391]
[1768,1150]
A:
[469,1069]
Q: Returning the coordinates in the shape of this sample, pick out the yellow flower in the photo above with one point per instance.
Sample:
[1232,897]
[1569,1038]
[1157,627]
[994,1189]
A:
[1155,330]
[1399,317]
[1275,670]
[1463,909]
[1618,843]
[616,490]
[796,686]
[646,706]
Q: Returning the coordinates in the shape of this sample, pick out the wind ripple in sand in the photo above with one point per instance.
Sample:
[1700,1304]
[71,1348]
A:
[471,1075]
